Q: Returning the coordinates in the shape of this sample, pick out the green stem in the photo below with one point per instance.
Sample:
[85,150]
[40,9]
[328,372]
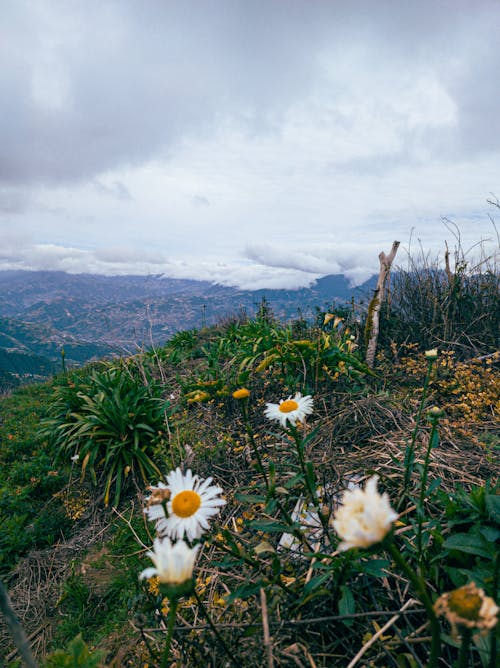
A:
[310,488]
[316,370]
[214,629]
[494,590]
[464,648]
[423,487]
[255,448]
[420,587]
[410,450]
[270,488]
[170,628]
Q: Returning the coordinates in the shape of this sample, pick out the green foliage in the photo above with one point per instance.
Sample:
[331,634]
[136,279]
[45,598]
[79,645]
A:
[77,655]
[183,345]
[276,539]
[30,516]
[251,350]
[472,526]
[111,420]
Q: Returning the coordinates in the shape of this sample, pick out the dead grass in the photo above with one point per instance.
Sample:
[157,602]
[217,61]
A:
[358,435]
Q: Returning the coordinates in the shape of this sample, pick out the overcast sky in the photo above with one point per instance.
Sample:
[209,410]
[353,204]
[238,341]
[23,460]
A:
[258,143]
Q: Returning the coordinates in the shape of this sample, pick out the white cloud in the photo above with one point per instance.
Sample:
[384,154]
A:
[244,142]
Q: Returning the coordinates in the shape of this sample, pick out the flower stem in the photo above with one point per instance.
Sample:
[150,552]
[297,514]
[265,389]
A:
[410,450]
[271,493]
[255,448]
[464,648]
[170,627]
[311,488]
[433,438]
[419,584]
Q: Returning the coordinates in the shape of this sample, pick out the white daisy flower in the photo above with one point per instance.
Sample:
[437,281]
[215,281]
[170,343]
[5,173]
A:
[365,516]
[292,410]
[191,502]
[174,564]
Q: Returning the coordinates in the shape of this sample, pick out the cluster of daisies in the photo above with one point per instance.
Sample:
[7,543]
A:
[180,509]
[364,517]
[183,507]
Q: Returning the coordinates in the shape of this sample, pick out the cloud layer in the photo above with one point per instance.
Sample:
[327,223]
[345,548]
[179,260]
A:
[249,143]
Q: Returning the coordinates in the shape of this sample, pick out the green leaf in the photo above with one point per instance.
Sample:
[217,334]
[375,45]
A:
[483,646]
[245,591]
[490,533]
[376,567]
[471,544]
[316,582]
[270,526]
[434,485]
[493,506]
[347,604]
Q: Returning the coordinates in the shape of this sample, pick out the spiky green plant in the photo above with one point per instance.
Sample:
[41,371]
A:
[110,421]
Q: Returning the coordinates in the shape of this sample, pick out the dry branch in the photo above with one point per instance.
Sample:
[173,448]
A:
[372,319]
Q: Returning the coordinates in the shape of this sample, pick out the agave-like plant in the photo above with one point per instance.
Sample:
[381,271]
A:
[111,421]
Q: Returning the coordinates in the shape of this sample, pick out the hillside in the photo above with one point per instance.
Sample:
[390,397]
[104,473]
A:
[346,506]
[92,317]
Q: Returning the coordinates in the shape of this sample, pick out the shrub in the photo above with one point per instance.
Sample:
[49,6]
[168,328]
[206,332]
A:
[436,307]
[110,420]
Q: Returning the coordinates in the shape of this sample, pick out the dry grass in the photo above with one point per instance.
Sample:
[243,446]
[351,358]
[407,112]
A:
[357,435]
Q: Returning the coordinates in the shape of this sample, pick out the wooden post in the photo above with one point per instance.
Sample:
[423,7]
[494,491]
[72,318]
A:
[372,318]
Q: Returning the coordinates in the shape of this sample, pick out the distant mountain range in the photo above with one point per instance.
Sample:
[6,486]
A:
[91,316]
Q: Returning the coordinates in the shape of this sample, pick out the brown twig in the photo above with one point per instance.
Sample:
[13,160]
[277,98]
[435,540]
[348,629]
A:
[379,633]
[265,627]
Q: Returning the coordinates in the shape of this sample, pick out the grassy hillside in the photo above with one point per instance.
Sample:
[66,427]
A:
[288,571]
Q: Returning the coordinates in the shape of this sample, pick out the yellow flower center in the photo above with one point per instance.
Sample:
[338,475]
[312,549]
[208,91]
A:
[186,503]
[288,406]
[465,604]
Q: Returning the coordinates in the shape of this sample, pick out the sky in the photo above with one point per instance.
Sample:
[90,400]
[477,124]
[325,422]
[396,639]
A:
[254,143]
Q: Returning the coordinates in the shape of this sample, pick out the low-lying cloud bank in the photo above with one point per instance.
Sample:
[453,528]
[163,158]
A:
[259,267]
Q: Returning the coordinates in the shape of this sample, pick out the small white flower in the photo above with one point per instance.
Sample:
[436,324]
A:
[365,516]
[75,458]
[292,410]
[431,354]
[191,502]
[173,563]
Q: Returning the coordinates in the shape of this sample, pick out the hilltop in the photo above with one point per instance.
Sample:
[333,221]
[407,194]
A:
[279,577]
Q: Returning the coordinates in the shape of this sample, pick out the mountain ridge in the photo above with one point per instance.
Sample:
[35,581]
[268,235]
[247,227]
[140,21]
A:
[93,316]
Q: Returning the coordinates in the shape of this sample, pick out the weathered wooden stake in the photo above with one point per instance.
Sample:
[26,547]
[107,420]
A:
[372,318]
